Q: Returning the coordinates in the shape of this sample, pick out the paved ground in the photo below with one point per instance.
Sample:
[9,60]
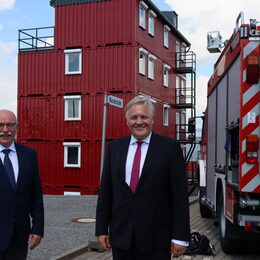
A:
[203,226]
[62,235]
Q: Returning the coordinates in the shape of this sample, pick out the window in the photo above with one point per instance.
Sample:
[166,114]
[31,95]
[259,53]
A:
[166,115]
[167,29]
[71,154]
[178,88]
[183,86]
[142,60]
[151,60]
[152,15]
[72,108]
[178,49]
[73,61]
[183,120]
[142,14]
[166,69]
[177,125]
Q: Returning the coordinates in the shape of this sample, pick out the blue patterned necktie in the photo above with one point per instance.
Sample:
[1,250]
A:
[9,167]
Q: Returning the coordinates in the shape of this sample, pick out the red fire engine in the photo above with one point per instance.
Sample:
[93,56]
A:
[228,172]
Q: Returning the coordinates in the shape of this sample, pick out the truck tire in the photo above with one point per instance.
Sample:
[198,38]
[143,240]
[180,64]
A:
[228,245]
[205,212]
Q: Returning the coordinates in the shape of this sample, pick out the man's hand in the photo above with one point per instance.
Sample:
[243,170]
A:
[34,240]
[103,242]
[177,250]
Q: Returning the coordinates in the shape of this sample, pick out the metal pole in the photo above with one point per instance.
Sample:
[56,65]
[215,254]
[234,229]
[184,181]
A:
[103,135]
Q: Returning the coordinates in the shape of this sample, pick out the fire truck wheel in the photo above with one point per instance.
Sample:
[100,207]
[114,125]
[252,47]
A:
[228,245]
[205,212]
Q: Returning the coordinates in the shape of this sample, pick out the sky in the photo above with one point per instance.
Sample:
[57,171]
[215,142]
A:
[196,18]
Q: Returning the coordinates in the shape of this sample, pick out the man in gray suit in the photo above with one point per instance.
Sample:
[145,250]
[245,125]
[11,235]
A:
[143,209]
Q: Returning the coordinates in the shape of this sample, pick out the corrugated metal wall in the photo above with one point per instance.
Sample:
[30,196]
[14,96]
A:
[55,176]
[103,69]
[94,24]
[42,118]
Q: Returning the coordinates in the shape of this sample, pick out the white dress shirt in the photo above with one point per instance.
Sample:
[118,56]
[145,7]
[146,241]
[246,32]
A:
[13,158]
[131,153]
[129,164]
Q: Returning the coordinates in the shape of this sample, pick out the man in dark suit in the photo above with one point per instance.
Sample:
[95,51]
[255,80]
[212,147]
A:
[147,218]
[20,194]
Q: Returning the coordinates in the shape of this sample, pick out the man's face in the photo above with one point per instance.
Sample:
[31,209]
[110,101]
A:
[139,121]
[8,128]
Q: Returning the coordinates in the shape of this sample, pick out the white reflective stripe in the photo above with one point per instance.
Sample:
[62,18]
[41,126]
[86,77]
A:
[249,48]
[255,109]
[252,185]
[250,93]
[244,76]
[244,146]
[255,132]
[246,167]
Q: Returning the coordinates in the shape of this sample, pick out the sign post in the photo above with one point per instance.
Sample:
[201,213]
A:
[113,101]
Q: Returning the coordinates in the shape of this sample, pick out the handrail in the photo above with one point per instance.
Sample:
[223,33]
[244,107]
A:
[240,16]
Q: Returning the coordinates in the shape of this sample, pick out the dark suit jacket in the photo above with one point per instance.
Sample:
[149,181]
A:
[158,211]
[16,206]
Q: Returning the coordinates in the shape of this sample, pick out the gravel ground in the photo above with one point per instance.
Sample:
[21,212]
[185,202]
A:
[61,234]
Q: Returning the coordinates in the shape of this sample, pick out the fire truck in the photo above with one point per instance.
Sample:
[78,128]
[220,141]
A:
[228,169]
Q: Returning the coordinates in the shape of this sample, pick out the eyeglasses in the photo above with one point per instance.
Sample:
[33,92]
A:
[8,125]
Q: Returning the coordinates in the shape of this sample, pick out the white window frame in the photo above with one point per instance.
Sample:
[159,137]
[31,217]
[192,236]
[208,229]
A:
[151,22]
[183,86]
[166,30]
[66,108]
[183,120]
[166,115]
[142,61]
[142,19]
[67,54]
[178,87]
[166,69]
[66,146]
[178,49]
[151,66]
[177,126]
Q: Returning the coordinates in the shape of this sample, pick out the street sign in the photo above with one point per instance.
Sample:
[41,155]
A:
[115,101]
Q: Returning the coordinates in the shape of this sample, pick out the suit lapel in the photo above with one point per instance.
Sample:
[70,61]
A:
[151,155]
[21,163]
[123,150]
[4,174]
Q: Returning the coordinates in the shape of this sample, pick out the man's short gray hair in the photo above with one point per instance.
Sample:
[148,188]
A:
[140,100]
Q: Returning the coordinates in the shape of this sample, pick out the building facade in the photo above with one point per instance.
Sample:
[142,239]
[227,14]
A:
[122,48]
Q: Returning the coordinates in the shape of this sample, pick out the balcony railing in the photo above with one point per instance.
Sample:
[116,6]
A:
[36,39]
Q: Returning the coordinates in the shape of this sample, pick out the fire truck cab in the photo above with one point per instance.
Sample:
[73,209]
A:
[228,171]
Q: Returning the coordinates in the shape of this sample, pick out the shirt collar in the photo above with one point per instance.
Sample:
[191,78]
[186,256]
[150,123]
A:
[11,147]
[145,140]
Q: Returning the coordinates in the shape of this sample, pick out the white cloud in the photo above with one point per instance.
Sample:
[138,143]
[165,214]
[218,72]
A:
[6,4]
[201,94]
[8,75]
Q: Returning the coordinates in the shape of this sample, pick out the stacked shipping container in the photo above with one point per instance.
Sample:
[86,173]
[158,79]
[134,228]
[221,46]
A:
[109,38]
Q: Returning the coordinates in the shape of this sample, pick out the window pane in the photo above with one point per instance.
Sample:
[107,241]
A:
[142,64]
[151,24]
[166,38]
[73,108]
[73,155]
[73,62]
[142,17]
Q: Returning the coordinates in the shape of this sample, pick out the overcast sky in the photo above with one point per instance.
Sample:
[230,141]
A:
[196,18]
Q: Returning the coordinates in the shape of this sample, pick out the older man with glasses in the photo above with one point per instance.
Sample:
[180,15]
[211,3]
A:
[21,197]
